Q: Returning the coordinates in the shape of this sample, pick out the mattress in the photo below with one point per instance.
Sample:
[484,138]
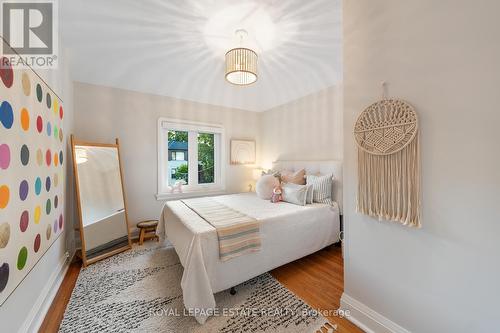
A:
[288,232]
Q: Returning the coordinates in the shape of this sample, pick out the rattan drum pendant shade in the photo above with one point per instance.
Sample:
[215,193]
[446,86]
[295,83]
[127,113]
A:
[241,66]
[389,162]
[241,63]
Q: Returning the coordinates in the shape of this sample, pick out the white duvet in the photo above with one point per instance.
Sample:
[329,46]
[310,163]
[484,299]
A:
[288,232]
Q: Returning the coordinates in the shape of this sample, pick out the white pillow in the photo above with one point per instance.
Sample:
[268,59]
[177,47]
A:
[293,193]
[309,195]
[322,187]
[265,185]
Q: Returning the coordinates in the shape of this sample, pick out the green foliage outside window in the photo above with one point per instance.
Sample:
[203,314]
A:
[179,136]
[206,156]
[206,151]
[181,173]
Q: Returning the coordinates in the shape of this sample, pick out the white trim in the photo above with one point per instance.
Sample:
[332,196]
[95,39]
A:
[368,319]
[42,304]
[219,155]
[184,125]
[186,195]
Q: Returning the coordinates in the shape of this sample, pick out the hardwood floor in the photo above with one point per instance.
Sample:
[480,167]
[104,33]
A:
[55,314]
[318,279]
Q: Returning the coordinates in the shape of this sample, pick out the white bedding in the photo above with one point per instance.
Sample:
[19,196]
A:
[288,232]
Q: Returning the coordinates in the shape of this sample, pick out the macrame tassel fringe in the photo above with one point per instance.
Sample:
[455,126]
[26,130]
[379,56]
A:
[389,185]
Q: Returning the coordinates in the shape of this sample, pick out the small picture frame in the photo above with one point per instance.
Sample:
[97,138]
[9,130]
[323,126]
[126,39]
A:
[243,152]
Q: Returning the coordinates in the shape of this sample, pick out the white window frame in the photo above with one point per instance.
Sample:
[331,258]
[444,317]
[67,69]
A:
[193,188]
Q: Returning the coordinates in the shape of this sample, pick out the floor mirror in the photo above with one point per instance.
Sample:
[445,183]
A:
[100,199]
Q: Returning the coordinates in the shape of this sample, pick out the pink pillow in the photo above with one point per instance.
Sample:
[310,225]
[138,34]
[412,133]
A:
[297,177]
[265,186]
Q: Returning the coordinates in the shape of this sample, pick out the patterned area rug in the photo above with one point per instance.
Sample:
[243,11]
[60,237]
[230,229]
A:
[139,291]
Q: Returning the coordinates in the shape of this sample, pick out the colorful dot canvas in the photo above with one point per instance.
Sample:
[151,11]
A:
[31,173]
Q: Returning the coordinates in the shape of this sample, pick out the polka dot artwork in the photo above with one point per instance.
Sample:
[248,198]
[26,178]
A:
[4,235]
[47,184]
[26,84]
[4,196]
[6,72]
[48,207]
[24,221]
[39,92]
[4,156]
[25,155]
[4,276]
[31,173]
[38,186]
[48,157]
[39,124]
[25,119]
[48,100]
[48,232]
[38,213]
[37,243]
[6,115]
[23,190]
[22,258]
[39,157]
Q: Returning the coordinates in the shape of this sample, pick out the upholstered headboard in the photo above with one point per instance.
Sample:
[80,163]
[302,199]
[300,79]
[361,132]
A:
[314,167]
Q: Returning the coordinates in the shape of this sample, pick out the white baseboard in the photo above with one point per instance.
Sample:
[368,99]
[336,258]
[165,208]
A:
[367,319]
[42,304]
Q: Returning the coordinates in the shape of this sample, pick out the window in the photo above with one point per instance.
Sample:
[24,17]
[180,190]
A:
[191,154]
[206,158]
[178,156]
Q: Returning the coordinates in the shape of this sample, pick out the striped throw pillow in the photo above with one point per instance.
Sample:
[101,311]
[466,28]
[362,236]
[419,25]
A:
[322,188]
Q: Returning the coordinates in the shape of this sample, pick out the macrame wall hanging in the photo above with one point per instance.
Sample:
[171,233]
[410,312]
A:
[389,162]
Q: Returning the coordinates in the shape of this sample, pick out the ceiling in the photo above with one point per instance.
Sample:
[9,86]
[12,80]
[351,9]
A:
[176,48]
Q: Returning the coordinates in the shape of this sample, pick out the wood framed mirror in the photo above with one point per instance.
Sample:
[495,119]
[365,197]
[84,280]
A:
[100,196]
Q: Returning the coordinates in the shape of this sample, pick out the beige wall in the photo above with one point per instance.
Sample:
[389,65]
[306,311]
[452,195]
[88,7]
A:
[103,114]
[309,128]
[443,57]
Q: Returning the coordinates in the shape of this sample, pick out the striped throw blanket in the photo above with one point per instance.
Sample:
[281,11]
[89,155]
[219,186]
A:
[237,233]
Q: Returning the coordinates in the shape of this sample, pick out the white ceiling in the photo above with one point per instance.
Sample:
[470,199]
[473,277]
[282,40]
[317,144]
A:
[176,48]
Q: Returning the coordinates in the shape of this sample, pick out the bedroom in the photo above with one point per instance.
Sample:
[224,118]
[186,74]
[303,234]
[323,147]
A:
[193,147]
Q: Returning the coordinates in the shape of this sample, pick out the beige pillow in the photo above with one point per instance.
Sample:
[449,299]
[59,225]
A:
[297,177]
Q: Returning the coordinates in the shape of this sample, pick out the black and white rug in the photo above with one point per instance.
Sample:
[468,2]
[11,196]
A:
[140,291]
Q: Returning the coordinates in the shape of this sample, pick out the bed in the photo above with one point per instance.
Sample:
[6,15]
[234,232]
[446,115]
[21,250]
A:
[288,232]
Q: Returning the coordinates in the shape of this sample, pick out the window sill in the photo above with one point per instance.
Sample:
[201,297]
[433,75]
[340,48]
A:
[186,195]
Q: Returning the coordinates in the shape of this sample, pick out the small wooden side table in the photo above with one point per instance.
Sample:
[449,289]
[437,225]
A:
[148,230]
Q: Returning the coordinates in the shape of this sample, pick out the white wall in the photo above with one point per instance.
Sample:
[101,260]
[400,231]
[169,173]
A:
[309,128]
[103,114]
[443,57]
[25,308]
